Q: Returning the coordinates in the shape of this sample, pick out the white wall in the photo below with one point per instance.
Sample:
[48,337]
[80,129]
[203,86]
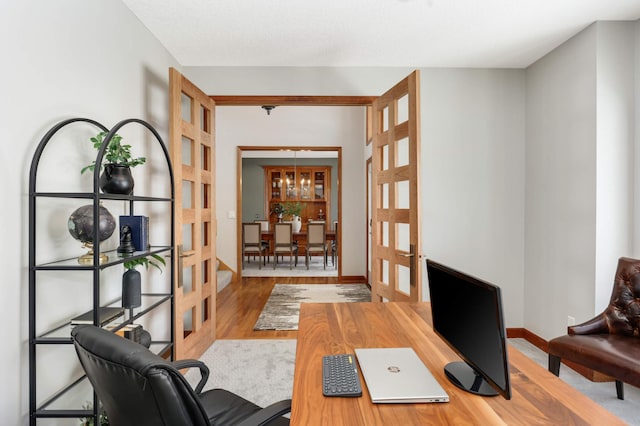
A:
[579,179]
[473,141]
[561,186]
[293,126]
[636,154]
[58,62]
[614,152]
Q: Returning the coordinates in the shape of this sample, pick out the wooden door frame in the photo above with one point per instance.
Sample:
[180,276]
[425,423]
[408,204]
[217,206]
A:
[240,150]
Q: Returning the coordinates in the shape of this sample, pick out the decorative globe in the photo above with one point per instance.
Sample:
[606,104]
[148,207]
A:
[80,224]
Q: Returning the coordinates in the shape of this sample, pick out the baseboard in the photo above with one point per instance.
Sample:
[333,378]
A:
[543,345]
[353,279]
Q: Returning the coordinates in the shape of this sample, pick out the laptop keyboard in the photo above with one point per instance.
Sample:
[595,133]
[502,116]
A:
[340,376]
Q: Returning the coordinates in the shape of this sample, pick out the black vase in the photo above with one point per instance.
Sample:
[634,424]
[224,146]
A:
[131,289]
[116,179]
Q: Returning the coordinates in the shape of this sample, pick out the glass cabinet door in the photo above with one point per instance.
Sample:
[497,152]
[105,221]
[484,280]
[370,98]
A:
[305,185]
[276,185]
[318,185]
[290,185]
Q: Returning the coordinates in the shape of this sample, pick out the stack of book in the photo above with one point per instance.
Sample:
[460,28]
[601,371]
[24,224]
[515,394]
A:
[106,314]
[129,331]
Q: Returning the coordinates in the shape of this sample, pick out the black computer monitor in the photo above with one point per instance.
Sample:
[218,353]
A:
[467,315]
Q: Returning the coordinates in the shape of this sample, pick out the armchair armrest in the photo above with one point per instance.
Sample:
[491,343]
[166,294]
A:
[268,413]
[597,325]
[194,363]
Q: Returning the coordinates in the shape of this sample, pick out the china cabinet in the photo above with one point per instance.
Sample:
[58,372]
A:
[310,186]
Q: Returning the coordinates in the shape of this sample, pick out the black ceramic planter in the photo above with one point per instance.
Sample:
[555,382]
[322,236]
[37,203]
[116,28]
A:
[116,179]
[131,289]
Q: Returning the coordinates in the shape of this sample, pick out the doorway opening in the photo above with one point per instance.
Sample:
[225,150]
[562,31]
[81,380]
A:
[275,177]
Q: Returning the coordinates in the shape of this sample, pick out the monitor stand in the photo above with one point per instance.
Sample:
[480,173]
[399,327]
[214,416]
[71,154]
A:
[463,376]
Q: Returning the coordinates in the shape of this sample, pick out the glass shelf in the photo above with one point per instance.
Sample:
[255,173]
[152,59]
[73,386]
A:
[114,259]
[62,334]
[91,195]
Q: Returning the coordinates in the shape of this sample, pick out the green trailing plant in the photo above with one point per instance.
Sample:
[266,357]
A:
[116,152]
[103,420]
[292,208]
[154,260]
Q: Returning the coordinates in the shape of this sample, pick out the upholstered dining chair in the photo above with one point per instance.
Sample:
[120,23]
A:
[137,387]
[610,342]
[283,243]
[252,243]
[334,245]
[316,241]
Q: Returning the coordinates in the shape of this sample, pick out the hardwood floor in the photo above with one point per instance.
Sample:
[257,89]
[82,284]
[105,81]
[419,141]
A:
[240,303]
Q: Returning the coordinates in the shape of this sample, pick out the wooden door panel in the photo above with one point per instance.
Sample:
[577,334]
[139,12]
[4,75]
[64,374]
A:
[395,205]
[192,150]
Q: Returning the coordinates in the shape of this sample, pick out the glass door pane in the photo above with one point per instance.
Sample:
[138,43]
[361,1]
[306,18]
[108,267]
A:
[305,185]
[318,185]
[290,182]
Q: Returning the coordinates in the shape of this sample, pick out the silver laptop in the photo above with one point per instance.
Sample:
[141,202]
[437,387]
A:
[397,375]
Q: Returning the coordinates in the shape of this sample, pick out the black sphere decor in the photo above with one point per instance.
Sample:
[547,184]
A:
[80,224]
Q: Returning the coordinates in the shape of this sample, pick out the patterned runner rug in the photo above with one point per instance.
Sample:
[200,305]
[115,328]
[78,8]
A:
[283,307]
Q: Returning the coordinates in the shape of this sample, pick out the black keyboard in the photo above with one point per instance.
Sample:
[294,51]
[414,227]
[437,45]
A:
[340,376]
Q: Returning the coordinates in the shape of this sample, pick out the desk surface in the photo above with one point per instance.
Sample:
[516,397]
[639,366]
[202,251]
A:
[538,397]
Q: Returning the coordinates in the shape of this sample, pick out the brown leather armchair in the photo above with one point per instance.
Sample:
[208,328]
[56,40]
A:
[610,342]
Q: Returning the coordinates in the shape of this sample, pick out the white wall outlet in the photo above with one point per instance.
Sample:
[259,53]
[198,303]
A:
[231,214]
[571,320]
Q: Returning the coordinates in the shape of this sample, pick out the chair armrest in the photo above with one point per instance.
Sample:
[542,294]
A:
[597,325]
[267,414]
[194,363]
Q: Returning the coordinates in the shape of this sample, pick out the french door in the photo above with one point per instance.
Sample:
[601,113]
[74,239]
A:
[192,151]
[395,201]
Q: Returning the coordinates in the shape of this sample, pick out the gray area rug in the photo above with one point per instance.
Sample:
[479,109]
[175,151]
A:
[262,371]
[283,307]
[258,370]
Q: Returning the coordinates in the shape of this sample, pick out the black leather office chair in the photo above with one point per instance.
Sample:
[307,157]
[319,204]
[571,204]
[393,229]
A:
[137,387]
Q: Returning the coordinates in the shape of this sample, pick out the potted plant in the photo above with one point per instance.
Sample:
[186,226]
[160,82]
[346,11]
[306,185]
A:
[116,177]
[293,210]
[131,281]
[278,210]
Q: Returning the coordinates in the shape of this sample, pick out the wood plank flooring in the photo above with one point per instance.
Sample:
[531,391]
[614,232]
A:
[239,305]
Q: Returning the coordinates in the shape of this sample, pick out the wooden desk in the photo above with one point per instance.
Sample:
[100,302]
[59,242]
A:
[538,397]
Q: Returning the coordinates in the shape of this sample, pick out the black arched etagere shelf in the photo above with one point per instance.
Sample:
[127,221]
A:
[56,406]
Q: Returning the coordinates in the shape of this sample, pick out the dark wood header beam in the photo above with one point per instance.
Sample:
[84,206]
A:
[293,100]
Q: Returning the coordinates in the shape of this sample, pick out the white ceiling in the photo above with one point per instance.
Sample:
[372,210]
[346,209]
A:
[377,33]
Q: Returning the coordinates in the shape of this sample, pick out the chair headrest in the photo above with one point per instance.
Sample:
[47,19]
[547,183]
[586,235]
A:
[623,313]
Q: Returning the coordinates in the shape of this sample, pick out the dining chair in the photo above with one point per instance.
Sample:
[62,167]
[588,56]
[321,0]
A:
[264,227]
[252,243]
[334,245]
[316,241]
[284,243]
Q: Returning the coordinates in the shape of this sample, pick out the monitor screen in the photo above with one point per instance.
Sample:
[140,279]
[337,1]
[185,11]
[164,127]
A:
[467,315]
